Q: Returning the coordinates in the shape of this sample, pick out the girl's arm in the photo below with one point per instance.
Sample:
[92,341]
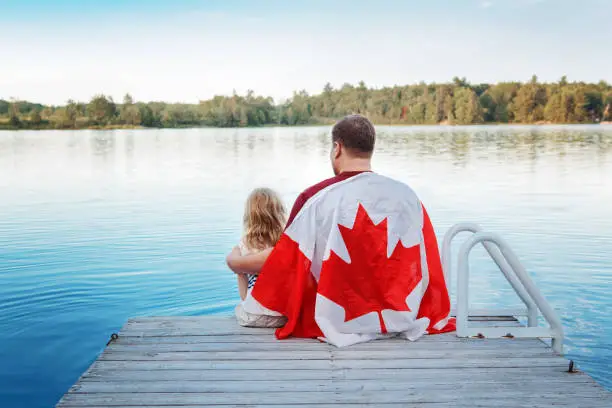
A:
[247,264]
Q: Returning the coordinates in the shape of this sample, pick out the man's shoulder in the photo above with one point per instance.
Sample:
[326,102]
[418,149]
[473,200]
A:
[315,188]
[373,187]
[370,178]
[394,183]
[311,191]
[369,184]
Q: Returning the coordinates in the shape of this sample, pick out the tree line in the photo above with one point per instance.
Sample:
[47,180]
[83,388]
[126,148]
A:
[456,102]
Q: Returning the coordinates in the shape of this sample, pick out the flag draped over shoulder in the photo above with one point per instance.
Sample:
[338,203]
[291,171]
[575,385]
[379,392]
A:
[359,261]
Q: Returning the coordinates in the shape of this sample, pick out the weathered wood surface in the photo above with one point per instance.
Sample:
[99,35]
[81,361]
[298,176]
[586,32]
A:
[211,361]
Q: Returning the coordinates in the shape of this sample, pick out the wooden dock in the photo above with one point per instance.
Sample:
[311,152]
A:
[211,361]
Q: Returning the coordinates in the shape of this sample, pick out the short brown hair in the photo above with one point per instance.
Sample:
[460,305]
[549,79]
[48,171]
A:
[356,133]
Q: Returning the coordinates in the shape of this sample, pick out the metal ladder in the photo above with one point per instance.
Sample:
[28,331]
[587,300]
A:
[515,274]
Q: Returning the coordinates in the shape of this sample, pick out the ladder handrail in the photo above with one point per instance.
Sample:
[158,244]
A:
[496,255]
[556,328]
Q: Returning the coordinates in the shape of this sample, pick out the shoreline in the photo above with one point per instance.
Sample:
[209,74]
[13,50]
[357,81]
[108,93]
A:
[444,125]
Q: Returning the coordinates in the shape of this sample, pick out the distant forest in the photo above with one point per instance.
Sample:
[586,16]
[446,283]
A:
[457,103]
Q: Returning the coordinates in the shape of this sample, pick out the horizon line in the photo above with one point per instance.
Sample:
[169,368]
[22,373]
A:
[278,101]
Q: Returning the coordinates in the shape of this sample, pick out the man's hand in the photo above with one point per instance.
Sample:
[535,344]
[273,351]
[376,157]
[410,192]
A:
[249,264]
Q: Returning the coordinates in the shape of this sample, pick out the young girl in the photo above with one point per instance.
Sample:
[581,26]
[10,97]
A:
[264,222]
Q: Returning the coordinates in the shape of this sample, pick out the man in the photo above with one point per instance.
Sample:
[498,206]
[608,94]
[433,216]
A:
[358,259]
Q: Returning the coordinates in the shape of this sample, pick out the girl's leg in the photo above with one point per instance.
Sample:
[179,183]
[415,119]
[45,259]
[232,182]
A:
[243,285]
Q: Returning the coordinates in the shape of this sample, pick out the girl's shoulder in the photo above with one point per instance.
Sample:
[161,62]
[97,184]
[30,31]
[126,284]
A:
[245,250]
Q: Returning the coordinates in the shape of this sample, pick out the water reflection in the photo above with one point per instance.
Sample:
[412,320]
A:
[103,143]
[464,144]
[99,226]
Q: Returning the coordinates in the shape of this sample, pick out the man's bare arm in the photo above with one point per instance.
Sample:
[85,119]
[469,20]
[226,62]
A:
[249,264]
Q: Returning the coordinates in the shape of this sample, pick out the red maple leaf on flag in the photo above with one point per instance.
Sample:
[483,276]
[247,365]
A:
[372,281]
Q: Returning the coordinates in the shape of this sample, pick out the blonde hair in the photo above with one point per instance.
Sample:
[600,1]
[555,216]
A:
[264,219]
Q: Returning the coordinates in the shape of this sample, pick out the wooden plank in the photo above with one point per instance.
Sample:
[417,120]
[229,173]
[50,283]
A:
[534,374]
[230,320]
[211,361]
[189,331]
[258,338]
[492,344]
[223,327]
[338,354]
[499,332]
[493,323]
[448,394]
[209,319]
[525,402]
[202,325]
[233,328]
[279,386]
[228,323]
[552,362]
[142,330]
[496,314]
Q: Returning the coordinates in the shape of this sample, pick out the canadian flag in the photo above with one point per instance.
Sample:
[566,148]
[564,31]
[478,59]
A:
[360,261]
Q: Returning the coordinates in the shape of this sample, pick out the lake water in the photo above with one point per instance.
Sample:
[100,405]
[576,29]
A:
[100,226]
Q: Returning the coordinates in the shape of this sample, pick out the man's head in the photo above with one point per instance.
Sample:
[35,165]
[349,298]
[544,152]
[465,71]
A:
[352,144]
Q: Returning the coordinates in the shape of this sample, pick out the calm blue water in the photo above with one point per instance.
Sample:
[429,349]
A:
[100,226]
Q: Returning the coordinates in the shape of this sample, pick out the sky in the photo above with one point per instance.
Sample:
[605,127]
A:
[190,50]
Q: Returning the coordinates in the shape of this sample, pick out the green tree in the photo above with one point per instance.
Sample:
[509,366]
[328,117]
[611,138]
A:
[456,102]
[13,112]
[129,113]
[556,110]
[528,105]
[47,112]
[594,105]
[70,114]
[362,96]
[607,110]
[467,107]
[460,82]
[449,108]
[35,118]
[101,109]
[580,107]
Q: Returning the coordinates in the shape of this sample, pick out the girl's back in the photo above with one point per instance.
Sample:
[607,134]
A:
[264,222]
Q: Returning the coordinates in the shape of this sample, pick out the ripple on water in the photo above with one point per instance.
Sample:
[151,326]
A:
[90,238]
